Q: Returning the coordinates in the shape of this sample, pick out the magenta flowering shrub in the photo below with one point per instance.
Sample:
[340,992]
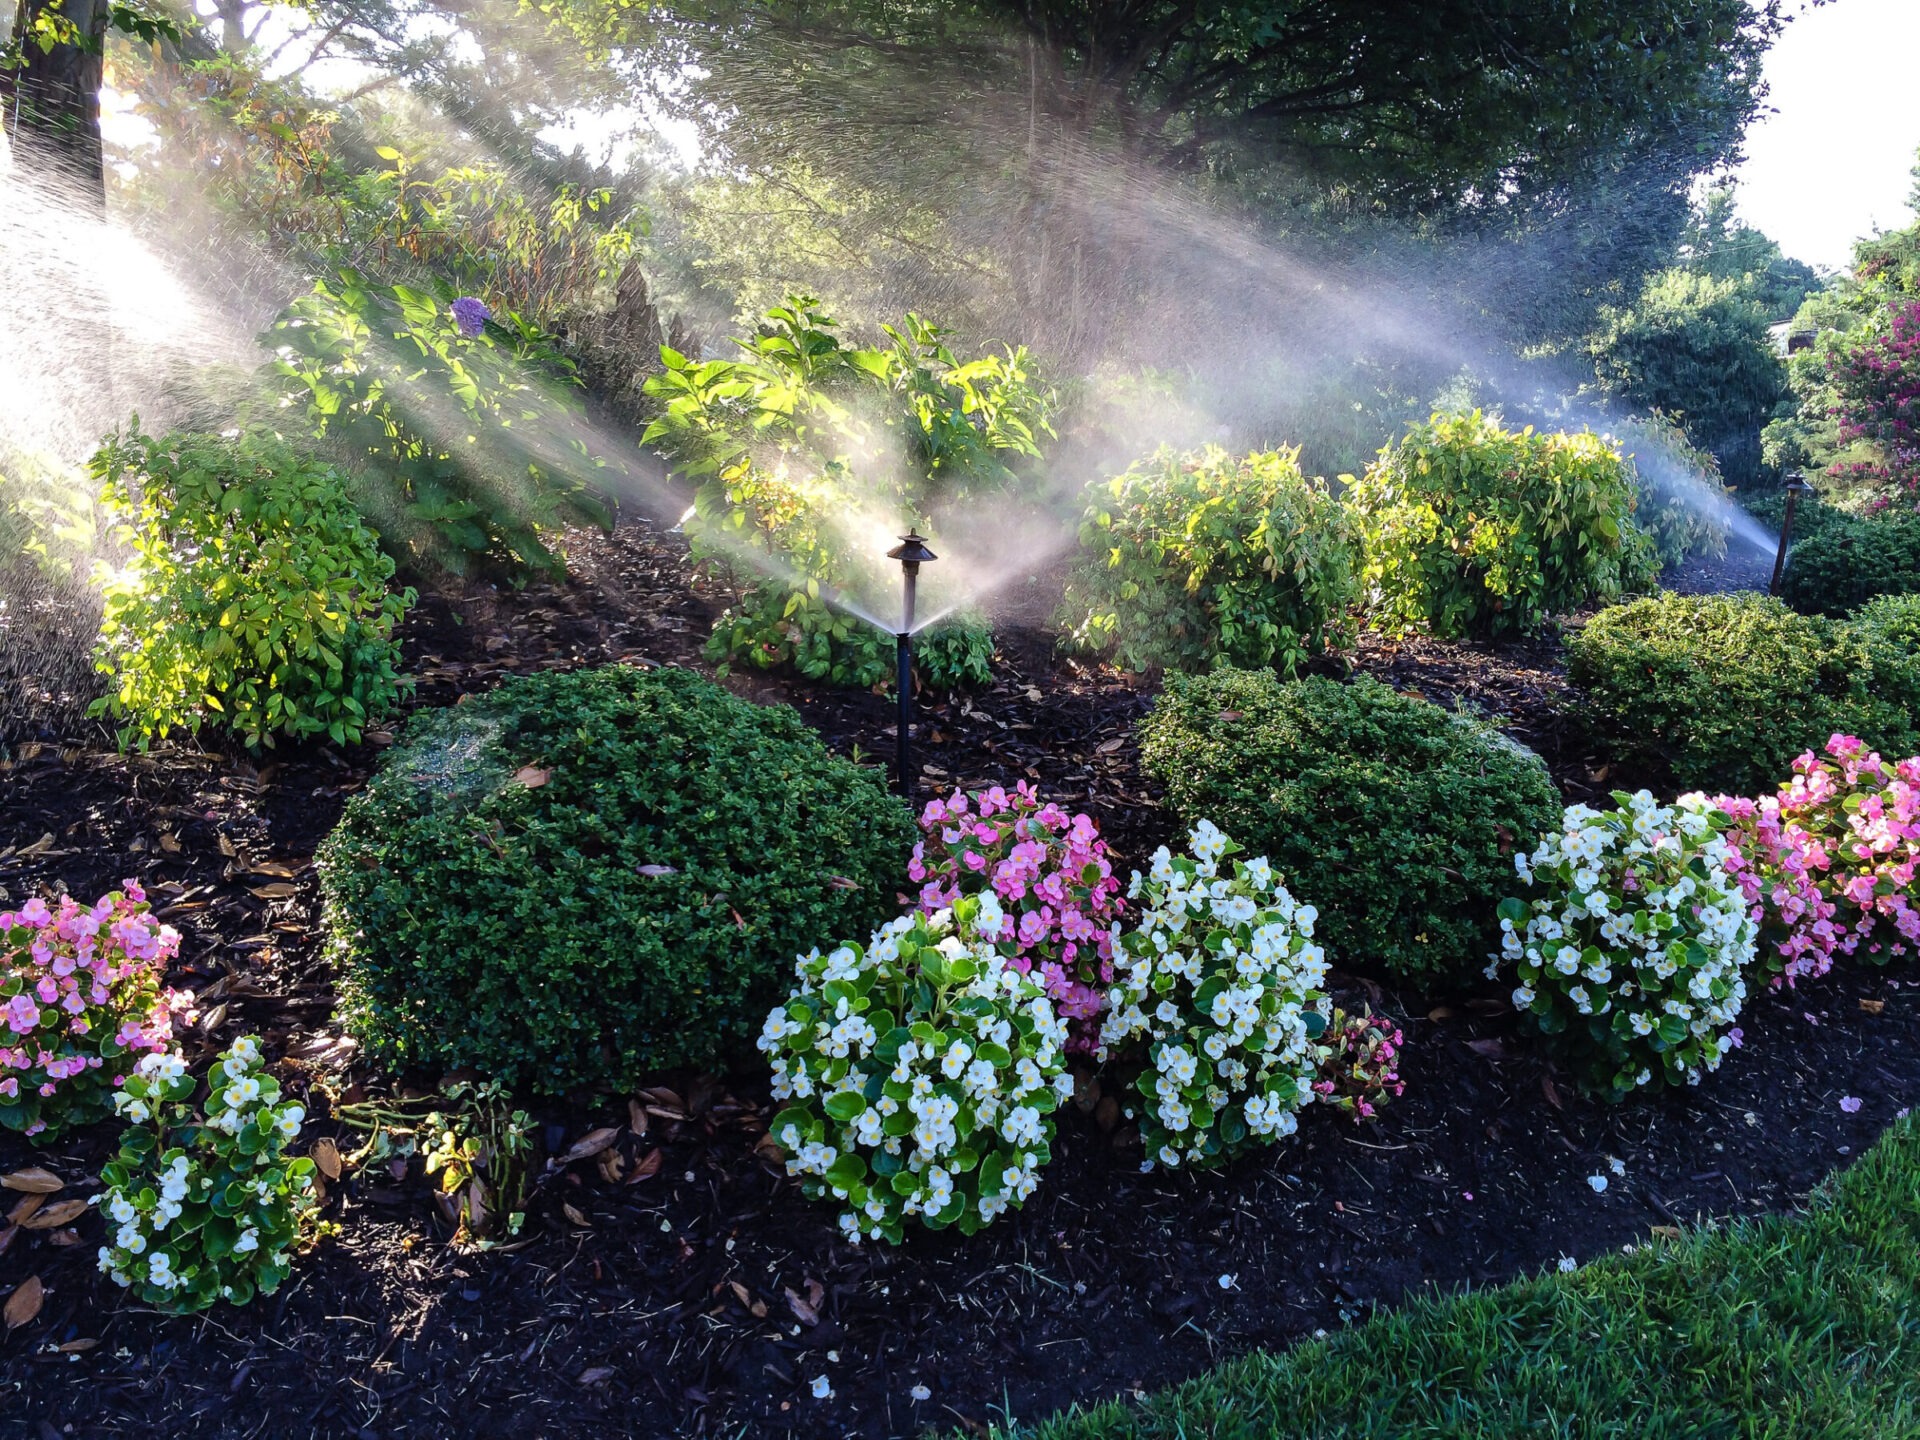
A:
[1359,1059]
[1861,818]
[1773,859]
[1055,884]
[80,1003]
[1876,387]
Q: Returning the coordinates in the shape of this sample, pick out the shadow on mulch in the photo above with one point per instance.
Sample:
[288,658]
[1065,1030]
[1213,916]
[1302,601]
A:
[705,1296]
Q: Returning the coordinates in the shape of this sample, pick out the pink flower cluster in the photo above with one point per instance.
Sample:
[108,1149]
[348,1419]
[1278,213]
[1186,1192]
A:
[1862,818]
[1830,860]
[80,1002]
[1054,883]
[1359,1064]
[1772,859]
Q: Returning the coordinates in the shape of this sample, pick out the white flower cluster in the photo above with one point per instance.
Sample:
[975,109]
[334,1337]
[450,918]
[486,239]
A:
[1220,979]
[204,1211]
[1633,951]
[921,1074]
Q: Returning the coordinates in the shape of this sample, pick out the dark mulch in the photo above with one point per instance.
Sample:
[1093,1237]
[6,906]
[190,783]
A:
[706,1295]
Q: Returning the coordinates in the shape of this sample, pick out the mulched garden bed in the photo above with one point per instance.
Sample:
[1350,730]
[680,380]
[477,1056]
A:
[677,1283]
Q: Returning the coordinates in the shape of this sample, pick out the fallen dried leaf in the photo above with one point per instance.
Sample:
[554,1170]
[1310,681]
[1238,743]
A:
[33,1179]
[590,1144]
[68,1236]
[574,1215]
[1553,1095]
[655,871]
[55,1215]
[1442,1012]
[647,1165]
[807,1310]
[25,1302]
[326,1154]
[1672,1232]
[1107,747]
[532,776]
[1492,1049]
[1872,1007]
[278,890]
[595,1375]
[636,1116]
[78,1347]
[841,882]
[25,1209]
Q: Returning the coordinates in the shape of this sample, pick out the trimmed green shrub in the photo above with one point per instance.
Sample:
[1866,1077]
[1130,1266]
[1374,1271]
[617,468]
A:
[254,593]
[1893,620]
[1473,529]
[1194,559]
[1723,691]
[1845,564]
[578,879]
[1396,816]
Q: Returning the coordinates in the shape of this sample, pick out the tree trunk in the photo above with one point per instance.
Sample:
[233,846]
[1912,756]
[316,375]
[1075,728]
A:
[52,101]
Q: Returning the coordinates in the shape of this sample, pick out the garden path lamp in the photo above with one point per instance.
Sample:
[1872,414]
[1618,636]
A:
[912,553]
[1796,487]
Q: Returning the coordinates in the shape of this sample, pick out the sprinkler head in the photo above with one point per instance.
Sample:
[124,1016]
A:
[912,550]
[1797,483]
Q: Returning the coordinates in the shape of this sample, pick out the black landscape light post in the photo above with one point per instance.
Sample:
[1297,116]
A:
[1796,487]
[912,553]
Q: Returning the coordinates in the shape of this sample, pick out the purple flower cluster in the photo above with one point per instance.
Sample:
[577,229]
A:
[471,315]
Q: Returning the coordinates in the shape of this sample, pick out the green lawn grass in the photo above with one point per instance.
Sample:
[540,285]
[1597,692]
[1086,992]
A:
[1790,1326]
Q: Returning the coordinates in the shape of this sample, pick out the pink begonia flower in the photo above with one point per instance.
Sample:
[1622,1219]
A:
[93,970]
[1037,859]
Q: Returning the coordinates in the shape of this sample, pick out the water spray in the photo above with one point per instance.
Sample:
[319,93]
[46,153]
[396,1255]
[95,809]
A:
[912,553]
[1796,487]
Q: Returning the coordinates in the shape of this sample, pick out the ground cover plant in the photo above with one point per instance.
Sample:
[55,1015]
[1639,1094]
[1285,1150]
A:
[1197,559]
[1395,815]
[1632,943]
[1777,1314]
[254,598]
[1469,528]
[580,879]
[1722,691]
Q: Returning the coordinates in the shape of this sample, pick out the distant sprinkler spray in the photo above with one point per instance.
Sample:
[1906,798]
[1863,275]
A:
[1796,487]
[912,553]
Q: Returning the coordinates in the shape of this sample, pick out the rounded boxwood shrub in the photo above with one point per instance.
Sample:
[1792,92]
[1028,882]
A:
[1398,817]
[1723,691]
[1846,564]
[576,879]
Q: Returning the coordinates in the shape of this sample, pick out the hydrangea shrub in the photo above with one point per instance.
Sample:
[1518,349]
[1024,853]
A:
[205,1206]
[1218,984]
[1057,891]
[80,1001]
[1633,947]
[1861,821]
[919,1074]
